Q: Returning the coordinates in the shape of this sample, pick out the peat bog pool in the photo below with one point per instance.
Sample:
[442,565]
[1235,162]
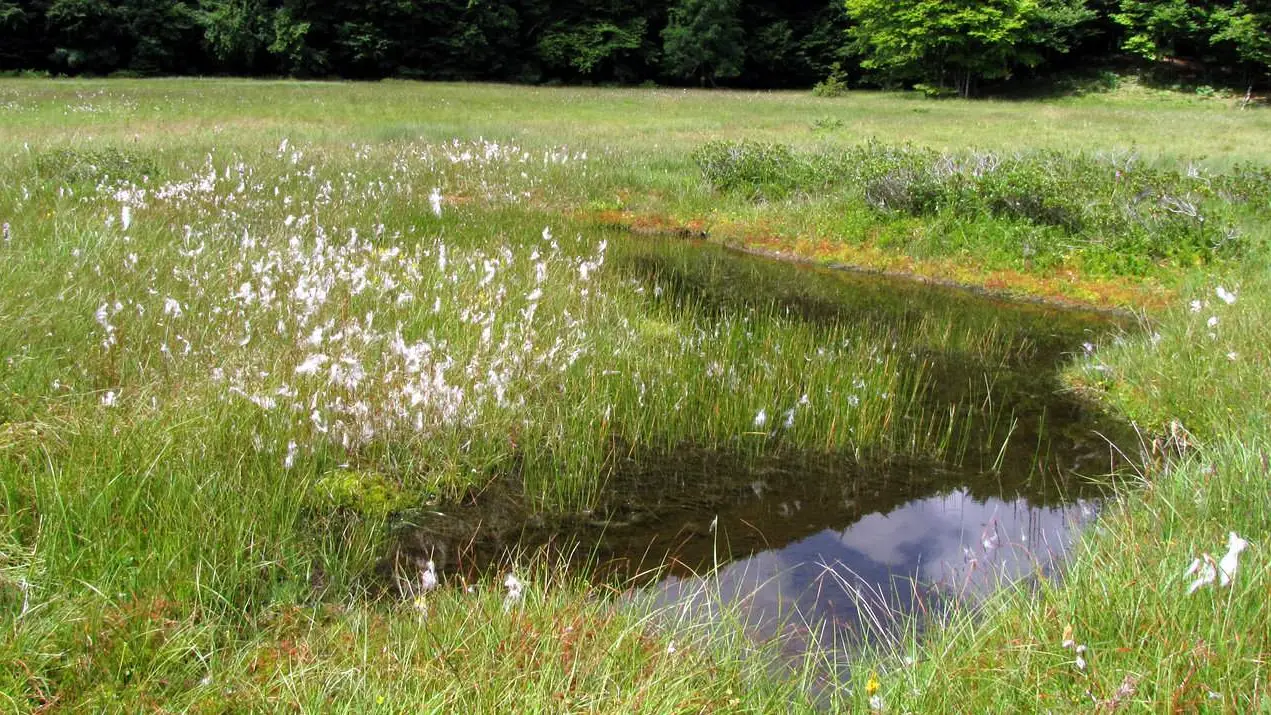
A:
[816,543]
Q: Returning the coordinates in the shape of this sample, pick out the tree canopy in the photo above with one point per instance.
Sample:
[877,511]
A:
[958,44]
[704,40]
[960,41]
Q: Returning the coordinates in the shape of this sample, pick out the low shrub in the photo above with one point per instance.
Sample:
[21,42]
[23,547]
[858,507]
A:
[763,171]
[834,85]
[1124,217]
[73,165]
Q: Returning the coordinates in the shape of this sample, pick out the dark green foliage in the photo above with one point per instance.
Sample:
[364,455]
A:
[1244,29]
[586,49]
[960,42]
[87,34]
[12,16]
[1159,28]
[14,34]
[941,48]
[1235,35]
[142,36]
[236,32]
[1111,215]
[791,43]
[704,40]
[290,44]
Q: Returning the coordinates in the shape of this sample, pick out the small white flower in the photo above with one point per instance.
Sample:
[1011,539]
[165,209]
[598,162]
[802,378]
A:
[670,648]
[1227,567]
[1227,296]
[171,306]
[125,216]
[110,399]
[516,590]
[876,703]
[1204,570]
[1213,321]
[761,419]
[434,199]
[428,577]
[1233,355]
[289,461]
[312,364]
[1207,570]
[1195,306]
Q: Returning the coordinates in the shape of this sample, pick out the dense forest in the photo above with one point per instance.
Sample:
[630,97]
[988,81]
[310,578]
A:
[959,46]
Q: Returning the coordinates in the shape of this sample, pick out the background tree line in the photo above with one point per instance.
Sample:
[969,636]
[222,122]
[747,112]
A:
[958,45]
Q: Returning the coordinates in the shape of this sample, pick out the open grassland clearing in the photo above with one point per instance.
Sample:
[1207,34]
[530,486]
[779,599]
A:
[247,328]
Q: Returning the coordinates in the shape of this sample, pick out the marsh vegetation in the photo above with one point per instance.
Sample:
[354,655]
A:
[295,388]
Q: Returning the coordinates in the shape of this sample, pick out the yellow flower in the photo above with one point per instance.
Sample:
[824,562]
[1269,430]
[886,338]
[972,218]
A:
[872,685]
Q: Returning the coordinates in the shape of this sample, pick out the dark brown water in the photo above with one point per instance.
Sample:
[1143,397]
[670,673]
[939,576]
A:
[831,544]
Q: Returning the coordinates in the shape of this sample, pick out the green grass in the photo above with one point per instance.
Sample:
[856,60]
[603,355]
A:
[187,522]
[1125,594]
[1101,214]
[435,350]
[664,123]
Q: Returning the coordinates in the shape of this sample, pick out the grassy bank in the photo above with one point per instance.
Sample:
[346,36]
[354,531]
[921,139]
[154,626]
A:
[245,326]
[1199,385]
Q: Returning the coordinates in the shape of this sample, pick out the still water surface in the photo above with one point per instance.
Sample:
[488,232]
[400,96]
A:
[837,545]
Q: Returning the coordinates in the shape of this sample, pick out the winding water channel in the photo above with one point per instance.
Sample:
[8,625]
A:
[846,542]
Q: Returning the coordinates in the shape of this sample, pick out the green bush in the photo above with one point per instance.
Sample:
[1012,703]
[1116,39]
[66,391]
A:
[834,85]
[763,171]
[1122,218]
[94,165]
[932,91]
[827,124]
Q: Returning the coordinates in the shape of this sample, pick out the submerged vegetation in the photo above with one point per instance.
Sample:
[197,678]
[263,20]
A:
[248,360]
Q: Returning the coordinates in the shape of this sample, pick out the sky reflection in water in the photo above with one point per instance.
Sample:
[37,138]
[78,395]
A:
[861,576]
